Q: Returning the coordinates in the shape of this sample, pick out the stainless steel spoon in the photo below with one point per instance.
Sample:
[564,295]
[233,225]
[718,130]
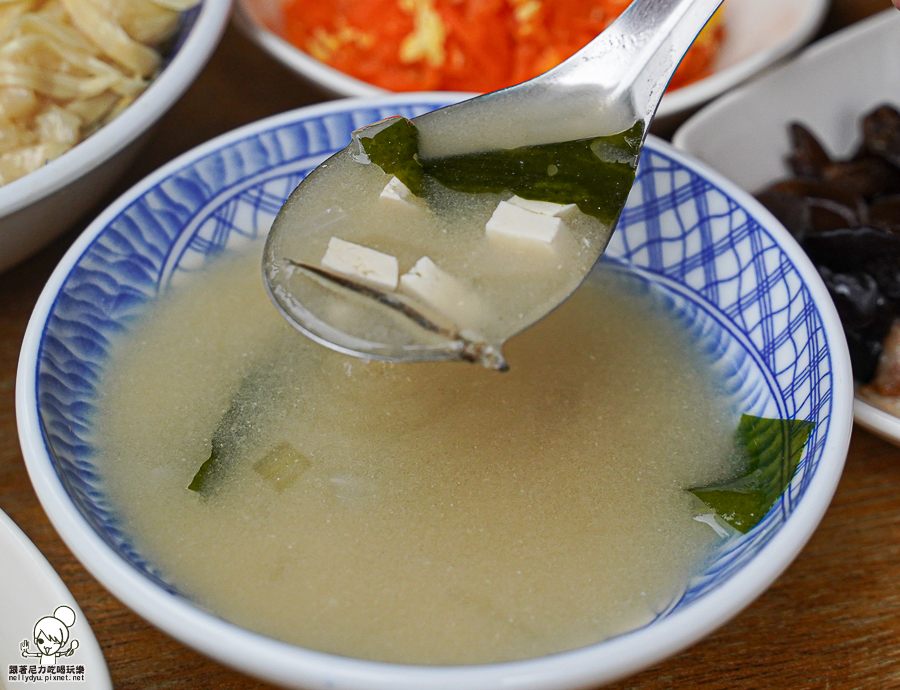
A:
[605,89]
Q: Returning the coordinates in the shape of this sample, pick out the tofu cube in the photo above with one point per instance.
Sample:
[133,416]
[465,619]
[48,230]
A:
[360,263]
[514,221]
[395,190]
[545,208]
[448,295]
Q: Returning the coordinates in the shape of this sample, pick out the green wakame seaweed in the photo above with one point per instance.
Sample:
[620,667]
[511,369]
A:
[395,149]
[595,173]
[236,430]
[770,450]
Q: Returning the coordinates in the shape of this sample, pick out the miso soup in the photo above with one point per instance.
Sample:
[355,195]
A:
[432,513]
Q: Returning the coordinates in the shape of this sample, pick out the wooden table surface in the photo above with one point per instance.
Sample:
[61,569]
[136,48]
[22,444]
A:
[831,621]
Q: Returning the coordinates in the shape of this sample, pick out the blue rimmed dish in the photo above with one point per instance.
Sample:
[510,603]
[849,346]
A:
[731,275]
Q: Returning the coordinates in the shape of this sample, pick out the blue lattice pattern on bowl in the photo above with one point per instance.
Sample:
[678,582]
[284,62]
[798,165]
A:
[723,274]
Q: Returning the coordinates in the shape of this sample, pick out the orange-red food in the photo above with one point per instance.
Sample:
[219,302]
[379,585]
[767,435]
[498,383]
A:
[463,45]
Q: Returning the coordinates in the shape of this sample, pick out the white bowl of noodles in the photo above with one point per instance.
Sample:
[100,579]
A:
[69,133]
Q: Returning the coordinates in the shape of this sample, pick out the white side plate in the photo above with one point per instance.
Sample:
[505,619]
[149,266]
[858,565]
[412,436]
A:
[31,590]
[744,135]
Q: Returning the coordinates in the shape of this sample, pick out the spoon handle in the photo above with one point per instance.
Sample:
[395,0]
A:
[607,86]
[633,61]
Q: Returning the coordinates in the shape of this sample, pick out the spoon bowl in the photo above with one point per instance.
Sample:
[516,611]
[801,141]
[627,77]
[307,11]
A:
[499,206]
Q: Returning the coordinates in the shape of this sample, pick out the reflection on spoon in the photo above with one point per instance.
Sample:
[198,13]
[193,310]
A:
[441,237]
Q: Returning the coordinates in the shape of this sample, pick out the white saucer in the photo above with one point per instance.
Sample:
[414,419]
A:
[31,590]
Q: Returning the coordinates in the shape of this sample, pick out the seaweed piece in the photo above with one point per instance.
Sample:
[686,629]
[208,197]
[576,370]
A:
[395,149]
[236,429]
[771,450]
[595,173]
[886,381]
[788,208]
[205,476]
[865,349]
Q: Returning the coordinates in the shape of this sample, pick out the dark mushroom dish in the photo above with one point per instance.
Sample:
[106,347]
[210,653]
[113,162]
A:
[846,216]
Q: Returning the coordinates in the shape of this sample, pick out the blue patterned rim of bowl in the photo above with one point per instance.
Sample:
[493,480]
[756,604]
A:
[725,276]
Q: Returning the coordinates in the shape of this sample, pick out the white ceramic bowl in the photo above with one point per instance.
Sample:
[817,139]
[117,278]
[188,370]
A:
[38,591]
[760,32]
[38,207]
[731,274]
[828,87]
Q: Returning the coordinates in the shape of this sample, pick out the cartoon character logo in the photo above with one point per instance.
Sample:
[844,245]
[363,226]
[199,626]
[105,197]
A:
[50,636]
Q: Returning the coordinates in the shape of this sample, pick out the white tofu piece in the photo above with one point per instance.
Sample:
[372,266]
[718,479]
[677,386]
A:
[395,190]
[448,295]
[361,263]
[545,208]
[514,221]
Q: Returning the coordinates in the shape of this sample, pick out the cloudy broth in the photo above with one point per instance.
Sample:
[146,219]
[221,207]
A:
[435,513]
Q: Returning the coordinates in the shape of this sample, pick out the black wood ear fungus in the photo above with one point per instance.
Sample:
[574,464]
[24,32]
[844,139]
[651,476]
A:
[846,216]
